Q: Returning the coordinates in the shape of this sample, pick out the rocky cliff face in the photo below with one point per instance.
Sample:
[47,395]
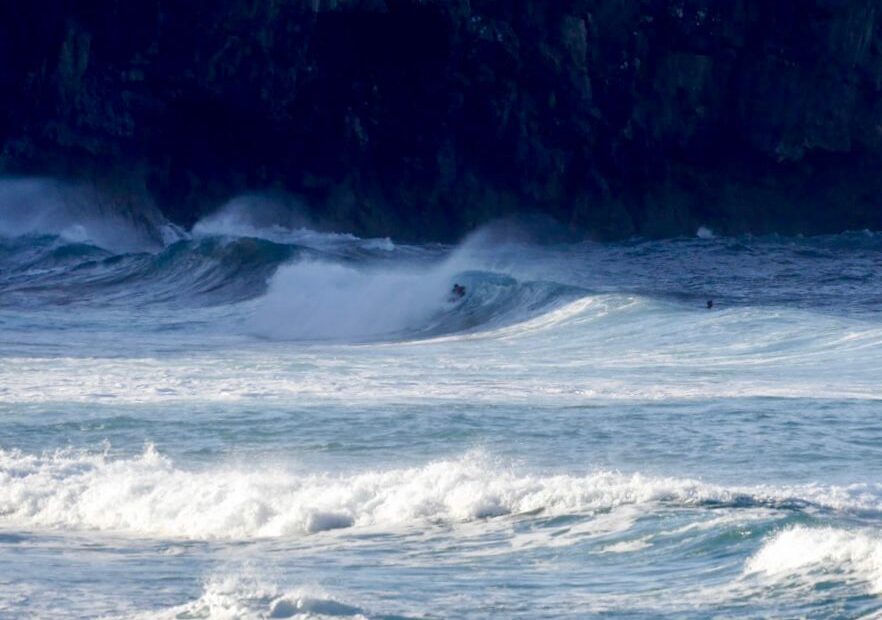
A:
[424,118]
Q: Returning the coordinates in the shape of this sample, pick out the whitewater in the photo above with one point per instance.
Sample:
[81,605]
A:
[255,419]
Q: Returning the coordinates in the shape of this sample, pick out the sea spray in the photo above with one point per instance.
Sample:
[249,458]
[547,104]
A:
[319,300]
[119,220]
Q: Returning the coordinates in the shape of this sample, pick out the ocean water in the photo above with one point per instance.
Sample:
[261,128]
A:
[267,422]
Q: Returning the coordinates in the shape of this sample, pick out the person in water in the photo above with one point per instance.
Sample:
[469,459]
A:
[458,291]
[710,304]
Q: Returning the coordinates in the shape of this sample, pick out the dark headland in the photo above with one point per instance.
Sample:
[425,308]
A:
[422,119]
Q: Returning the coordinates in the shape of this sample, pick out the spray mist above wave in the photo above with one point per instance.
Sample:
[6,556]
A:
[280,219]
[115,220]
[321,300]
[149,496]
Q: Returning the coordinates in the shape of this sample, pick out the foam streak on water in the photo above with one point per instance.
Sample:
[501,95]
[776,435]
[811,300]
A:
[259,420]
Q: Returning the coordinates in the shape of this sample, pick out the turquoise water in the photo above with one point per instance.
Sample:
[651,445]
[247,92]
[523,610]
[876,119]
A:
[251,423]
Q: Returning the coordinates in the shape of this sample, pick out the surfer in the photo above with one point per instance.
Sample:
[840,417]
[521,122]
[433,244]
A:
[710,304]
[458,291]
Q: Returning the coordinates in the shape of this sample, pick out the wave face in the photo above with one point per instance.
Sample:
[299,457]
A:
[256,419]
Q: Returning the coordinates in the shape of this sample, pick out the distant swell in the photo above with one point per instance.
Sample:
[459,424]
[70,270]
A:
[149,496]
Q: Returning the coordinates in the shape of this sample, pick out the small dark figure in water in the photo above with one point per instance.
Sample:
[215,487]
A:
[710,304]
[458,291]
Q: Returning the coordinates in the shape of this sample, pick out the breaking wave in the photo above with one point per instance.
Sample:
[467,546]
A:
[310,285]
[304,285]
[319,300]
[149,496]
[816,554]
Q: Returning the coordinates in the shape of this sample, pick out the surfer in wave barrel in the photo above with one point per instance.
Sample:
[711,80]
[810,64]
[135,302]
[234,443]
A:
[457,292]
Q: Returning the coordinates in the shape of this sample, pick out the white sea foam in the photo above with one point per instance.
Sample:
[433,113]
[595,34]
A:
[597,348]
[627,546]
[149,496]
[814,554]
[240,598]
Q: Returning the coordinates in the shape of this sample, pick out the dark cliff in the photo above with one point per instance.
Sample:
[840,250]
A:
[424,118]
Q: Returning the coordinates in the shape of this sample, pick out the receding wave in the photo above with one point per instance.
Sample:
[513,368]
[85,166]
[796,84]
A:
[150,496]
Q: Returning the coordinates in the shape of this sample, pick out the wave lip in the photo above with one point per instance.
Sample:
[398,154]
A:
[149,496]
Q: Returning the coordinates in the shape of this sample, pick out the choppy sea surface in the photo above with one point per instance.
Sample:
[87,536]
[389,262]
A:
[245,422]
